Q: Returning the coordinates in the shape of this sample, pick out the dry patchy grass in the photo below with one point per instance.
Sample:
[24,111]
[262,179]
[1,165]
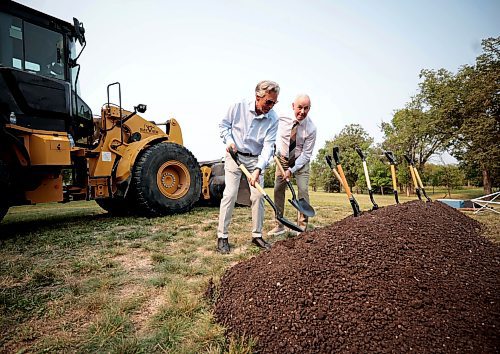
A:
[74,279]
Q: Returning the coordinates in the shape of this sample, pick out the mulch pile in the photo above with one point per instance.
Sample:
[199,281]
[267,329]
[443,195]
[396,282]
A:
[410,277]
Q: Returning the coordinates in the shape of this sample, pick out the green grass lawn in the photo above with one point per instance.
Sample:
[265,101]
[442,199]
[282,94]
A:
[73,278]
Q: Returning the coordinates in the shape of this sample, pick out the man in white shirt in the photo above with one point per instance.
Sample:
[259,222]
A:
[250,129]
[304,139]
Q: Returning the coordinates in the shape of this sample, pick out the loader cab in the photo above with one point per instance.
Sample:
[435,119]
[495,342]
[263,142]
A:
[38,72]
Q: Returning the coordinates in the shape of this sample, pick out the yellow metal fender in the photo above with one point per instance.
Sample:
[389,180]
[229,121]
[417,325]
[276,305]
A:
[129,156]
[126,163]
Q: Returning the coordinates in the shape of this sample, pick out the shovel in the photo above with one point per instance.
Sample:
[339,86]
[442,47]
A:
[367,176]
[413,176]
[279,217]
[418,179]
[301,204]
[392,161]
[341,177]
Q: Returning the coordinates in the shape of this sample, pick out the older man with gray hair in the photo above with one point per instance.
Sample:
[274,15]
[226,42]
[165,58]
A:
[295,144]
[250,129]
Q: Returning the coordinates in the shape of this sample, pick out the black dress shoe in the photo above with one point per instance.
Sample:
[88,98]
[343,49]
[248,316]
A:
[223,245]
[259,242]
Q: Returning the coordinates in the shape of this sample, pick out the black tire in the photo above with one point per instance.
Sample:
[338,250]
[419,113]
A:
[166,180]
[115,206]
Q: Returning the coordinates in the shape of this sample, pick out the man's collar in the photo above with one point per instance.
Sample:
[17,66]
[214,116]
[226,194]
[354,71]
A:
[251,107]
[301,121]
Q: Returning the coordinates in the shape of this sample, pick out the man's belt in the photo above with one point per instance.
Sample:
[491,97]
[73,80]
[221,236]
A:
[246,154]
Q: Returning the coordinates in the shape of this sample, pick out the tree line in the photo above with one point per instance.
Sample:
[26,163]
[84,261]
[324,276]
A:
[454,112]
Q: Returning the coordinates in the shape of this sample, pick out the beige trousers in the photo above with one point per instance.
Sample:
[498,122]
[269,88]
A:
[232,176]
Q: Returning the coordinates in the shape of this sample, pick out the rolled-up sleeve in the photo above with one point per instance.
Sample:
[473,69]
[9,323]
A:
[268,146]
[225,126]
[307,151]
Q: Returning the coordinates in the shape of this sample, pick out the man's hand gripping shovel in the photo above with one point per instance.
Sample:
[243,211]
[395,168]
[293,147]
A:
[279,217]
[341,177]
[301,204]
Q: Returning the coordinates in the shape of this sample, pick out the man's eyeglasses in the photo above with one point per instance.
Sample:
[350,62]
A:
[270,102]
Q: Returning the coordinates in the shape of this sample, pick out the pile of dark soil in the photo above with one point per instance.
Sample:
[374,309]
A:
[411,277]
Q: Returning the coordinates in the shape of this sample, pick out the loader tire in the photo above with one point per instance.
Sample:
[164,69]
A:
[166,180]
[118,207]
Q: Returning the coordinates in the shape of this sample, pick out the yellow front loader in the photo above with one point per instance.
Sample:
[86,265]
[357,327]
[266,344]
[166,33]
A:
[52,149]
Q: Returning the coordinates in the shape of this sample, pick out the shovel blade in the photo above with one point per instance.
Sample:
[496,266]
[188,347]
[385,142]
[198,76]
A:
[280,217]
[289,224]
[303,206]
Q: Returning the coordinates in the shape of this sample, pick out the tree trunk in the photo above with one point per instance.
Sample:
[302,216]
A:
[486,182]
[382,190]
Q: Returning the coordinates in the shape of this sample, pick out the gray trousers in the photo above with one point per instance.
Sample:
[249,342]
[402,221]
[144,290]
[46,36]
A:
[302,179]
[232,176]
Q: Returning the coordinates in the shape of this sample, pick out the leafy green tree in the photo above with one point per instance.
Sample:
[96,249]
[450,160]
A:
[477,141]
[423,127]
[321,173]
[269,175]
[350,136]
[447,175]
[461,112]
[378,171]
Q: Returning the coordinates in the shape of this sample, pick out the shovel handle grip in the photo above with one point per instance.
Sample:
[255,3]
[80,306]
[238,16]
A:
[390,157]
[329,161]
[360,153]
[335,154]
[234,156]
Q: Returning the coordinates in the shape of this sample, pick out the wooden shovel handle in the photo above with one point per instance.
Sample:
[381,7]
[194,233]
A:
[418,178]
[413,177]
[367,176]
[344,181]
[249,176]
[393,175]
[278,163]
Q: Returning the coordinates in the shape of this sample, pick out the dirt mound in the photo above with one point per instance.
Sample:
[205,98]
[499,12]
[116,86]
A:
[416,276]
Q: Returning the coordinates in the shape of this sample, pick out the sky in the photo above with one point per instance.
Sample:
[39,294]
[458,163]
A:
[359,61]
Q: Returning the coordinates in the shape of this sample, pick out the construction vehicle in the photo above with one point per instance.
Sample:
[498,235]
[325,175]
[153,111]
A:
[52,148]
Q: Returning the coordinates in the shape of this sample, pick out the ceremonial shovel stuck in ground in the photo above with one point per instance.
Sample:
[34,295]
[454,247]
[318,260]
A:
[392,161]
[416,179]
[341,177]
[367,176]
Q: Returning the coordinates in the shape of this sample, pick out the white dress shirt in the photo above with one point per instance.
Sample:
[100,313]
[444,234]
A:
[306,138]
[251,133]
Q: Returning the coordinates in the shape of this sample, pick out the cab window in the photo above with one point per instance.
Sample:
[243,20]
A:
[31,48]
